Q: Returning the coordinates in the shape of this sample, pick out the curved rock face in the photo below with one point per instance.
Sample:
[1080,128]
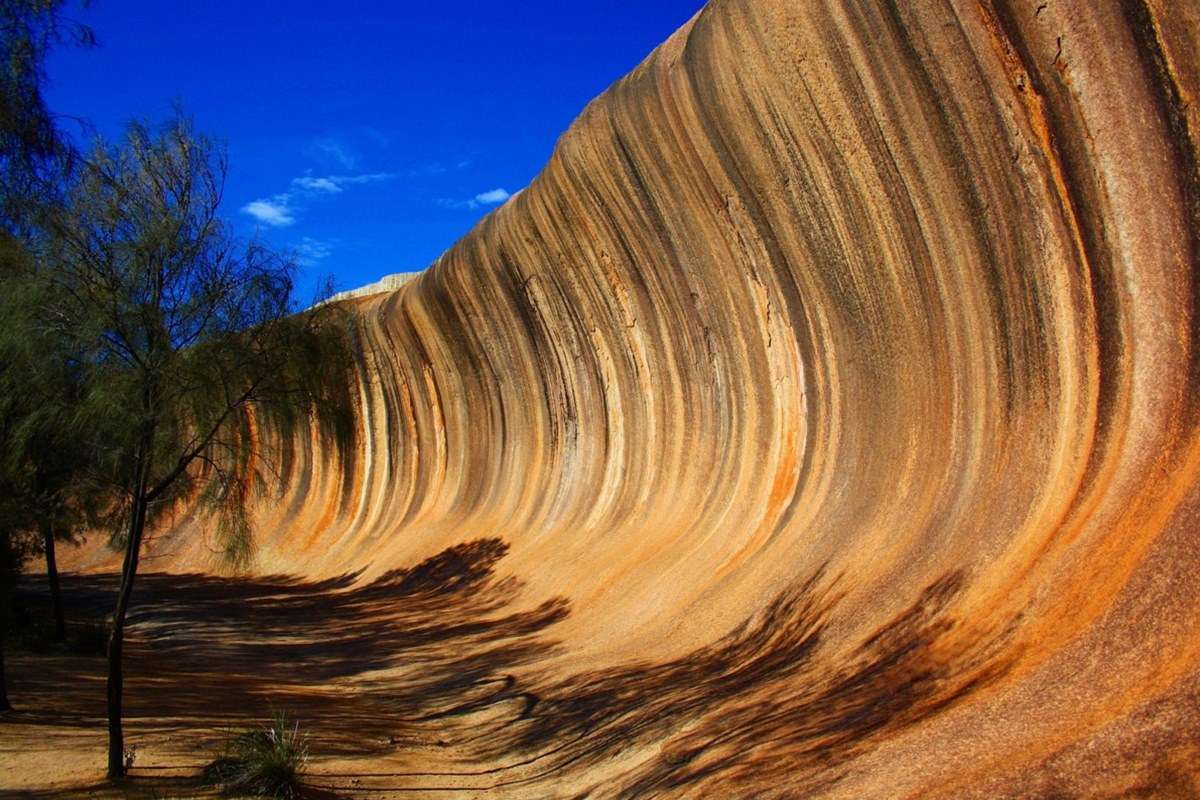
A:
[834,395]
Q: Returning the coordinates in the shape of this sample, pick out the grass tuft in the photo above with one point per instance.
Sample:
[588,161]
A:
[265,762]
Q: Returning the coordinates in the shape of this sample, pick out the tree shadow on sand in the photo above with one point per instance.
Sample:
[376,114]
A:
[441,654]
[210,652]
[765,711]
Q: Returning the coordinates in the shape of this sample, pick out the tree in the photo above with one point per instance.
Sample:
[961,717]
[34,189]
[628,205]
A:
[41,498]
[45,483]
[34,161]
[192,356]
[20,408]
[14,547]
[43,464]
[32,151]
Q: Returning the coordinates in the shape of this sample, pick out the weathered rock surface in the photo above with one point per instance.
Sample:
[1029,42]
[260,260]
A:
[388,283]
[841,372]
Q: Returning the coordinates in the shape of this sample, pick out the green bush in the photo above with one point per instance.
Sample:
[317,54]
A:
[265,762]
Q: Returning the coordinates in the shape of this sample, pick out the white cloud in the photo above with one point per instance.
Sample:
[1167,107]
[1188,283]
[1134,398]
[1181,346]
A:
[274,212]
[311,184]
[336,152]
[488,198]
[280,210]
[310,251]
[332,184]
[491,197]
[370,177]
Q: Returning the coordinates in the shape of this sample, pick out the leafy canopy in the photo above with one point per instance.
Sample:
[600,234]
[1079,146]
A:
[190,355]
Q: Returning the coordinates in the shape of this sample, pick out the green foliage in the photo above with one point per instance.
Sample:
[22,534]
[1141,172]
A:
[46,480]
[31,149]
[191,357]
[264,762]
[35,163]
[40,385]
[149,357]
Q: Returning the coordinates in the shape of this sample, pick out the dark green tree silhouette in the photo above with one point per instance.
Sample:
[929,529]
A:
[33,162]
[192,356]
[32,150]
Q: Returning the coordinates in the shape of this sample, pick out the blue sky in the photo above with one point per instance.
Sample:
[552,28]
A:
[366,136]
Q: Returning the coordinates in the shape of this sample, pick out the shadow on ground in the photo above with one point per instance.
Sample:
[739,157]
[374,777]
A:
[208,654]
[442,655]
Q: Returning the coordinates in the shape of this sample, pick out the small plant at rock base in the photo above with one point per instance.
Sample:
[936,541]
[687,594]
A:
[265,762]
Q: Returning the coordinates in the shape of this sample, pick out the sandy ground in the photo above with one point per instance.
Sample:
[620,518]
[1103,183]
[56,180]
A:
[835,394]
[208,655]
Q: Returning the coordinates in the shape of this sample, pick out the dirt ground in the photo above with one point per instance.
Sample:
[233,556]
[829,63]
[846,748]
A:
[384,678]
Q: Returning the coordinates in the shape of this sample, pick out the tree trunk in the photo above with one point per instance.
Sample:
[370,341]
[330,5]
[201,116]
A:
[116,638]
[5,706]
[60,622]
[7,578]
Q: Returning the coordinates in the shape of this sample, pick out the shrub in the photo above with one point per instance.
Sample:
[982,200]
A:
[265,762]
